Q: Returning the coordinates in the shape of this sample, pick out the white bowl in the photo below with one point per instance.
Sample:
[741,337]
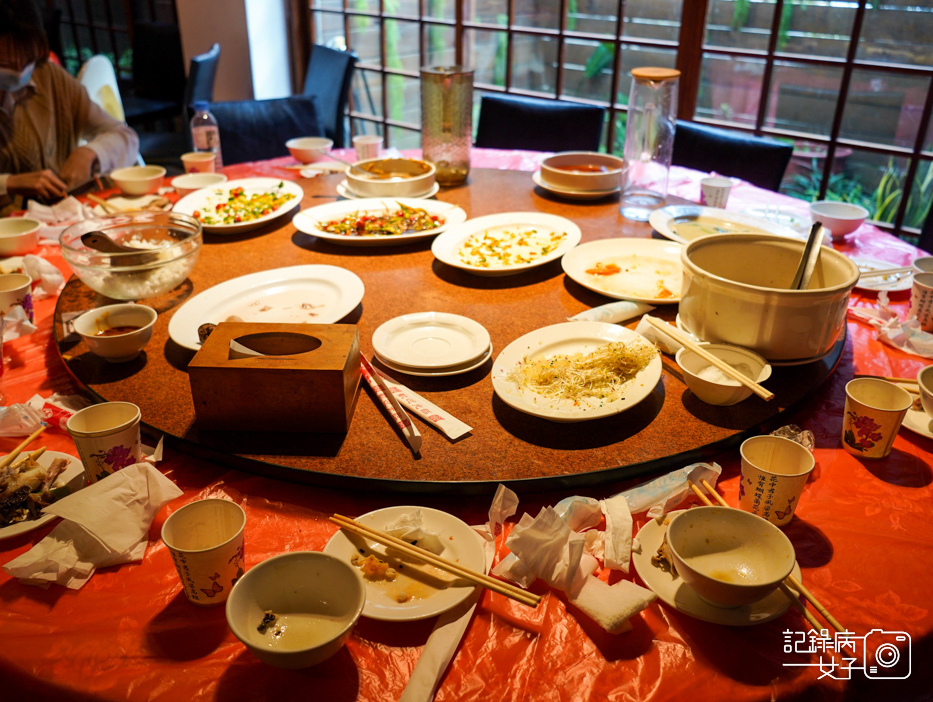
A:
[117,333]
[729,557]
[138,180]
[840,218]
[308,149]
[18,235]
[925,381]
[413,178]
[189,182]
[583,171]
[736,291]
[297,586]
[712,385]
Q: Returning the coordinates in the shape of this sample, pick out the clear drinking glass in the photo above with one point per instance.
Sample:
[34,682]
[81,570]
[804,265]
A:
[649,140]
[447,121]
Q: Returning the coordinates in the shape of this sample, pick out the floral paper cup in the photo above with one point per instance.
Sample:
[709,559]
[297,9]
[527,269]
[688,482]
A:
[107,438]
[874,411]
[774,473]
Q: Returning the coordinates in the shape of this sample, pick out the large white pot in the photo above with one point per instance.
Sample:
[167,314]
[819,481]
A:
[736,291]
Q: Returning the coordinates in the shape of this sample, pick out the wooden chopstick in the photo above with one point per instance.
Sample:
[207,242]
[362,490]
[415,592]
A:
[683,339]
[790,579]
[885,271]
[31,457]
[906,381]
[10,457]
[424,556]
[108,208]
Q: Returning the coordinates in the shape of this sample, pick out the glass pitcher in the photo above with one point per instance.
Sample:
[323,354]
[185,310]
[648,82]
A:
[447,121]
[649,140]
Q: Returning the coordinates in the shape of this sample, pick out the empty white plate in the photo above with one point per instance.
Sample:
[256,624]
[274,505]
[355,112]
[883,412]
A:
[430,340]
[439,372]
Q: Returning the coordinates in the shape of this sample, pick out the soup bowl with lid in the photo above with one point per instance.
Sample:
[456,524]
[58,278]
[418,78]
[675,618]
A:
[583,171]
[736,290]
[391,177]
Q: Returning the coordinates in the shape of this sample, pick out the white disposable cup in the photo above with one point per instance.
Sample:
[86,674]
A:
[921,300]
[16,289]
[874,411]
[924,264]
[714,191]
[107,437]
[367,146]
[205,539]
[774,472]
[924,381]
[198,162]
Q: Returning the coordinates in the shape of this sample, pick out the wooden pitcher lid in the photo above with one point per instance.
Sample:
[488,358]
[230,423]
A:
[655,74]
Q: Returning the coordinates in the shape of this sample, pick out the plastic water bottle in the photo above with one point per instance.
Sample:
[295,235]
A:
[205,136]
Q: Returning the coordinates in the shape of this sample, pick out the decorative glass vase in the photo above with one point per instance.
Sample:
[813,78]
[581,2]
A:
[447,121]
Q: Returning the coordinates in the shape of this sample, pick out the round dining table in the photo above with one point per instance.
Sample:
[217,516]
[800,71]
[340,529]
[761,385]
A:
[862,530]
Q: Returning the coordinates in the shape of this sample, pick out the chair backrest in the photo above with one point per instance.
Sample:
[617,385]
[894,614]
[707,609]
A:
[202,73]
[758,160]
[158,62]
[100,80]
[926,234]
[251,130]
[330,74]
[516,122]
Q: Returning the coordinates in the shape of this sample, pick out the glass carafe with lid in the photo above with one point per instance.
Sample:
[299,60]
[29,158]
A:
[649,140]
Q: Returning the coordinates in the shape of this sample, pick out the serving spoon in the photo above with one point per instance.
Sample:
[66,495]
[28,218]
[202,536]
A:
[103,243]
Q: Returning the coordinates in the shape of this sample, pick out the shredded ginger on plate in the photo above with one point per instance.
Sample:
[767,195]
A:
[602,373]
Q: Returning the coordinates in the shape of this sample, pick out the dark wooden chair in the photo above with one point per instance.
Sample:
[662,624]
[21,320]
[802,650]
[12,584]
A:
[926,235]
[330,74]
[758,160]
[158,74]
[252,130]
[517,122]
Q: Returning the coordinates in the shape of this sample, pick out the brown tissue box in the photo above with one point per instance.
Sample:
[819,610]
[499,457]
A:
[306,380]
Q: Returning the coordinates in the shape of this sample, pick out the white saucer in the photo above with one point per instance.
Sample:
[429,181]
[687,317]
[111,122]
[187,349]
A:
[430,340]
[674,592]
[427,373]
[343,190]
[919,422]
[572,194]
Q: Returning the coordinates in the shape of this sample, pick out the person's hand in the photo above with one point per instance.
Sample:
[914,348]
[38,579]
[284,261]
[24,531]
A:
[44,184]
[78,167]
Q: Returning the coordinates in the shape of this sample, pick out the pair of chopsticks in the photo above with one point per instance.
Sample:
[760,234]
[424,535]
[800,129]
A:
[392,406]
[686,341]
[420,554]
[12,456]
[789,582]
[885,271]
[909,384]
[108,208]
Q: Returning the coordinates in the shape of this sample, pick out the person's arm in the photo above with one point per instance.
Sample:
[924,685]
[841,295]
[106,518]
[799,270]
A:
[44,184]
[114,144]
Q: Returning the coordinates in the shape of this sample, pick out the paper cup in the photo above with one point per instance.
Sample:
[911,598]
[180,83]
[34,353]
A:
[16,289]
[714,191]
[198,162]
[107,437]
[921,300]
[774,471]
[924,264]
[367,146]
[874,412]
[205,539]
[924,381]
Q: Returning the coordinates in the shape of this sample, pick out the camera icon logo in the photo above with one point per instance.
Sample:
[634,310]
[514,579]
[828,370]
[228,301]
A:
[886,655]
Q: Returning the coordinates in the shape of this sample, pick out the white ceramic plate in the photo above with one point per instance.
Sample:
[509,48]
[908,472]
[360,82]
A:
[73,476]
[572,194]
[314,294]
[440,372]
[565,339]
[309,221]
[649,269]
[207,199]
[430,340]
[799,223]
[919,422]
[674,592]
[538,228]
[891,283]
[344,190]
[663,220]
[461,544]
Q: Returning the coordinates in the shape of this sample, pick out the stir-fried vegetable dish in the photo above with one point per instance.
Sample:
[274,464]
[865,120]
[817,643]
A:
[404,220]
[240,207]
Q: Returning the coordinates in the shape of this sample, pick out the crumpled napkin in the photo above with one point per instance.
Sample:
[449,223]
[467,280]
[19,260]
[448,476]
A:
[47,281]
[57,217]
[104,524]
[906,336]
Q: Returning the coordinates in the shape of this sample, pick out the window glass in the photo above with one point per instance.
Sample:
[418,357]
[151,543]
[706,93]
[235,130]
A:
[537,13]
[884,108]
[740,24]
[441,9]
[649,19]
[803,98]
[402,46]
[365,38]
[730,88]
[534,63]
[486,52]
[489,12]
[588,69]
[897,32]
[440,45]
[366,92]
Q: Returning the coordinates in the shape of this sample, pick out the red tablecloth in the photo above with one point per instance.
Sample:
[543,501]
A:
[862,533]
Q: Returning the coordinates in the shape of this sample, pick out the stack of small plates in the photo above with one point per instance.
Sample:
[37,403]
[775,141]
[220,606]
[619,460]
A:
[432,344]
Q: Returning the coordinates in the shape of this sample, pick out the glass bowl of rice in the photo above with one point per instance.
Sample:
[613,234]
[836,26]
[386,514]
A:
[165,248]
